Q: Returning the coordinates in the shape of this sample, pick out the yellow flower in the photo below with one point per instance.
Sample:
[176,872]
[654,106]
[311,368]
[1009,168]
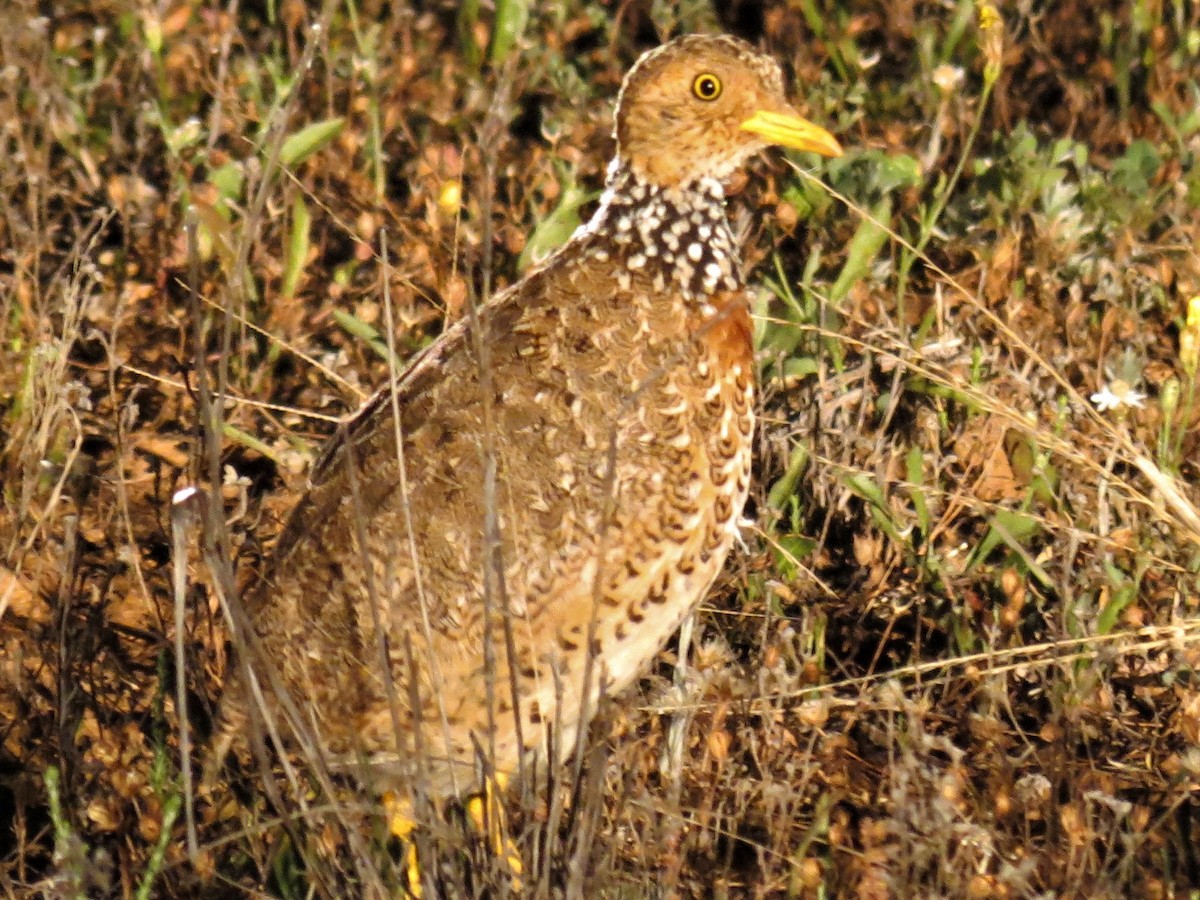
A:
[1189,338]
[450,197]
[991,32]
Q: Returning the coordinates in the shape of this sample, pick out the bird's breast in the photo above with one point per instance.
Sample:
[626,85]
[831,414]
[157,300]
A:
[725,331]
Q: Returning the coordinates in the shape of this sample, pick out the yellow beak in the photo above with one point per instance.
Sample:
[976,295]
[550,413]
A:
[789,130]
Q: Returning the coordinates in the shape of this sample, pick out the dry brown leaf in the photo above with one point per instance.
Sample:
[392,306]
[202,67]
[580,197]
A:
[17,599]
[1005,256]
[166,450]
[982,449]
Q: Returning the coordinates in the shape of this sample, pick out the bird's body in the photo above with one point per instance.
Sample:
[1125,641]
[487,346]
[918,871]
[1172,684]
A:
[608,401]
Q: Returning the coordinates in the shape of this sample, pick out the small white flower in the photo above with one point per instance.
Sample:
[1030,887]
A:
[184,494]
[1116,394]
[232,478]
[948,78]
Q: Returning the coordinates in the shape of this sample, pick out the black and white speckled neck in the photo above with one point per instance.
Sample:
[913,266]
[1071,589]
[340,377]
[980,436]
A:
[679,237]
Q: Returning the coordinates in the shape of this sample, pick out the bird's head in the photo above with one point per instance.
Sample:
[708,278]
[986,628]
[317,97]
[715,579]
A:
[700,105]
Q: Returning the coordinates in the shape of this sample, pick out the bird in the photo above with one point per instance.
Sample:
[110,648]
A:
[517,524]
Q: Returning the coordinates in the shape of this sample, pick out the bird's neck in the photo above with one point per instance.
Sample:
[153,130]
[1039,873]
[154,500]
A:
[676,236]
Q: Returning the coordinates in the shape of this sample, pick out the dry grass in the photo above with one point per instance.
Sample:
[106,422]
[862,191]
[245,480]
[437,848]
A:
[957,657]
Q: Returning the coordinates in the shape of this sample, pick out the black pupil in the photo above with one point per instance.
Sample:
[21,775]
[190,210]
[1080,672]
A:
[708,87]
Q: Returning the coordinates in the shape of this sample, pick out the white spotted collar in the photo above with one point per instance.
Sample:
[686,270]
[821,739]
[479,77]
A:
[678,236]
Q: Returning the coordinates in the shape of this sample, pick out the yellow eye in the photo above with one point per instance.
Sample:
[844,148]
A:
[707,86]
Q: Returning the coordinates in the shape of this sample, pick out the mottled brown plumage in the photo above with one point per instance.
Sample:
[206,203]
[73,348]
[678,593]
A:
[621,391]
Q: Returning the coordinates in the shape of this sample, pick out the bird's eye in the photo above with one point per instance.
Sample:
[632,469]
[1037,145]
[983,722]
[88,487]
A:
[707,86]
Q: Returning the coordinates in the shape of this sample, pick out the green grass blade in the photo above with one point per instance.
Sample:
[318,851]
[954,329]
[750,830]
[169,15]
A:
[311,139]
[298,246]
[511,18]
